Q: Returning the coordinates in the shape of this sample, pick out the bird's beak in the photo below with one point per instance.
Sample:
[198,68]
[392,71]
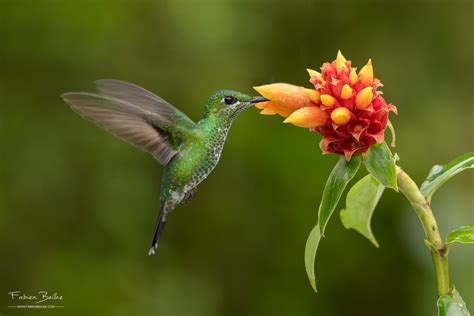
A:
[258,99]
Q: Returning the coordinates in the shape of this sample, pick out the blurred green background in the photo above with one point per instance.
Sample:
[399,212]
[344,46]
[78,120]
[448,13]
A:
[78,206]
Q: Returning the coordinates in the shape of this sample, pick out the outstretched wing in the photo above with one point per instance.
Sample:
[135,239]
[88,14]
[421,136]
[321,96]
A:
[167,114]
[134,115]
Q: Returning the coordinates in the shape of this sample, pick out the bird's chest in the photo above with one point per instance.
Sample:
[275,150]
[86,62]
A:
[215,144]
[213,149]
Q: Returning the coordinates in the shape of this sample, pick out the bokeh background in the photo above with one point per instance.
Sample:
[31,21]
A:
[78,206]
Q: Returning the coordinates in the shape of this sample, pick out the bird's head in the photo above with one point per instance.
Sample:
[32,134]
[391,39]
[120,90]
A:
[228,103]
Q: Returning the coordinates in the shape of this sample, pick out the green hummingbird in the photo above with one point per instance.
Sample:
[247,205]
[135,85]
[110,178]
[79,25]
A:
[189,151]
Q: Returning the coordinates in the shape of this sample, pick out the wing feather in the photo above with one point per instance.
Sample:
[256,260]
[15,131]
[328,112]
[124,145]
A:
[132,122]
[166,113]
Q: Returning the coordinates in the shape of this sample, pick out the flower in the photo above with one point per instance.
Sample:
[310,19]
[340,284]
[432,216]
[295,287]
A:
[345,107]
[285,98]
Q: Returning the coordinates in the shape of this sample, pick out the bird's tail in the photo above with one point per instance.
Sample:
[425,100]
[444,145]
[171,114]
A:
[160,226]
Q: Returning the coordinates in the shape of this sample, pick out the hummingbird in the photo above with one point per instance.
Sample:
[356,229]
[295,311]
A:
[188,151]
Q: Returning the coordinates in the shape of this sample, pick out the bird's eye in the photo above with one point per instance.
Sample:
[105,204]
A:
[229,100]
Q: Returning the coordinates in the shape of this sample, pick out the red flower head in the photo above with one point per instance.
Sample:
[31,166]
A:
[345,108]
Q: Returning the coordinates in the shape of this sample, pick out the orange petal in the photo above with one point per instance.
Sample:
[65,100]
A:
[313,73]
[270,108]
[346,92]
[340,60]
[307,117]
[353,76]
[312,94]
[263,105]
[269,111]
[366,74]
[327,100]
[286,96]
[282,111]
[341,116]
[364,98]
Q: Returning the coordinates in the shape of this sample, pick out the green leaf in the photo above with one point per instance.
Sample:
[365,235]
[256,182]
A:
[337,181]
[452,305]
[464,235]
[310,255]
[380,162]
[440,174]
[392,132]
[360,205]
[340,176]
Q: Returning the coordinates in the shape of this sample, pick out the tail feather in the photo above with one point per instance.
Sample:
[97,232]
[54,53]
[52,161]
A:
[160,226]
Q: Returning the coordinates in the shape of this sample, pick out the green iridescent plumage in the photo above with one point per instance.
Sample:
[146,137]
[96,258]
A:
[189,151]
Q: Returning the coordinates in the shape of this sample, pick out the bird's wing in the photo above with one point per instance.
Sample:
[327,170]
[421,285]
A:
[134,115]
[167,115]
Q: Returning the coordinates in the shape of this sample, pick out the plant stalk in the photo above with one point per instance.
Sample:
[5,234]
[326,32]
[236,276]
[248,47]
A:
[439,251]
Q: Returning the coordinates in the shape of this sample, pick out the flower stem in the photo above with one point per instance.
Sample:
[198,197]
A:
[438,249]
